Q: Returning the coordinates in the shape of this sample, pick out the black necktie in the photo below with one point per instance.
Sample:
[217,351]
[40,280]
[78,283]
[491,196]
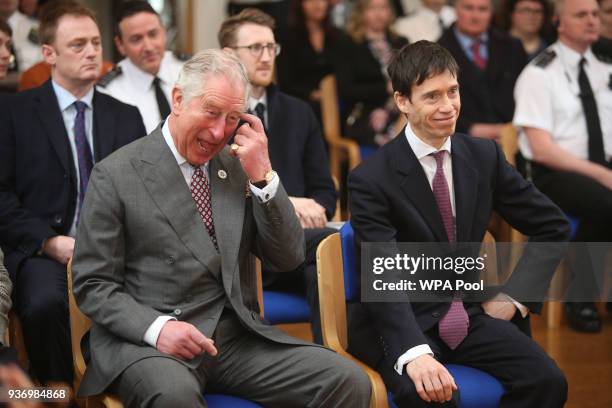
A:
[162,102]
[260,108]
[596,147]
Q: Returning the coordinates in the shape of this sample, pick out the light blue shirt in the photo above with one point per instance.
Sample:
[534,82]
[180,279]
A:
[466,44]
[66,102]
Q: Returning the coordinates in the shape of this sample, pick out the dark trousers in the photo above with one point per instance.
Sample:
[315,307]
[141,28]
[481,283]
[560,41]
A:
[40,298]
[531,378]
[304,278]
[591,203]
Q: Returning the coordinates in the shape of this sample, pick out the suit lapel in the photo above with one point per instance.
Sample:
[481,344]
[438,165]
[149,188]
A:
[416,187]
[163,179]
[465,181]
[228,192]
[271,95]
[103,127]
[53,122]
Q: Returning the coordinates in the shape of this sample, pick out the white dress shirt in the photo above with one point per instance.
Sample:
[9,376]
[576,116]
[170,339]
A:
[27,51]
[548,98]
[425,24]
[66,102]
[263,195]
[135,87]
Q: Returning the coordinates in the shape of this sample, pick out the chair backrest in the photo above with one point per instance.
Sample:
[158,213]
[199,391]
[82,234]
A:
[79,324]
[331,292]
[349,262]
[509,143]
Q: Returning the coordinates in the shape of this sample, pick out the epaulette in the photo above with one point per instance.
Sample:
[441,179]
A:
[544,58]
[33,36]
[110,76]
[603,57]
[182,56]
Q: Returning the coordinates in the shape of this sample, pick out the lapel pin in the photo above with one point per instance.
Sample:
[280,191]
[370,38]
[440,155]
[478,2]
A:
[222,174]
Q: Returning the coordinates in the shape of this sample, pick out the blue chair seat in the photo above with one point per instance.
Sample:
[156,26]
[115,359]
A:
[227,401]
[285,307]
[478,389]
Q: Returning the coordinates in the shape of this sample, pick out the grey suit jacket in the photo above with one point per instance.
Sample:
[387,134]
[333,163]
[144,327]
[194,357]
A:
[142,251]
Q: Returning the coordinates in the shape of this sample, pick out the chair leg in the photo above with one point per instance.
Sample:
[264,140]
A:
[553,314]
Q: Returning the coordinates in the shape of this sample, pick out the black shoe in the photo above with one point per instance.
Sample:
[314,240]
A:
[583,317]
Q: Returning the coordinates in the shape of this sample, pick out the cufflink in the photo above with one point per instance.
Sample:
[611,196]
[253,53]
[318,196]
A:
[222,174]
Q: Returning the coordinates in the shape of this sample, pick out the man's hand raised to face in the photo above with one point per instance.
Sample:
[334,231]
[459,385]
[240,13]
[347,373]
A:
[251,148]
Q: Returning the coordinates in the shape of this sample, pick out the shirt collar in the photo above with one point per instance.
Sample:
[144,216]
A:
[141,79]
[422,149]
[182,162]
[466,41]
[253,101]
[65,98]
[572,58]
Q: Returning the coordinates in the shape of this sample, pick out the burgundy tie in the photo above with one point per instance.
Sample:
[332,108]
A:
[477,58]
[200,191]
[453,327]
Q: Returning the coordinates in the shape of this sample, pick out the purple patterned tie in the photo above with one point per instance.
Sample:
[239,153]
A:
[200,191]
[453,327]
[85,161]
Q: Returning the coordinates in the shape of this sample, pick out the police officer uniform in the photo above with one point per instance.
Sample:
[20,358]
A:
[132,85]
[551,96]
[25,41]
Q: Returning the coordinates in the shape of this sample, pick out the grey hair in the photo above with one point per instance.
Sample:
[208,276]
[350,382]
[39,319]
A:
[210,63]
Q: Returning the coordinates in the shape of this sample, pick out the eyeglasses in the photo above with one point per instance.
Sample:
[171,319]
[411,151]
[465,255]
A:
[257,49]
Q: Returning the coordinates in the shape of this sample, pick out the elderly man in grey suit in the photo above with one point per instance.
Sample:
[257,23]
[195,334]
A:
[162,261]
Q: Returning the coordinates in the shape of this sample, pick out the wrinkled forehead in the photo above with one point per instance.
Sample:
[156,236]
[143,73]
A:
[224,92]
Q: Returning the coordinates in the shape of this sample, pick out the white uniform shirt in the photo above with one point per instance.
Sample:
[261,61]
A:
[27,51]
[547,98]
[424,24]
[135,87]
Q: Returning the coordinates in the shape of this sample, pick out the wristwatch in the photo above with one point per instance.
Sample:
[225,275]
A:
[267,179]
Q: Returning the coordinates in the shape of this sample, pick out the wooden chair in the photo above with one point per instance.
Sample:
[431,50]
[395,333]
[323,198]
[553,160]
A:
[331,264]
[340,149]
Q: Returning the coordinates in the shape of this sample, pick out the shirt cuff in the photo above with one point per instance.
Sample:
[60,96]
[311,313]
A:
[268,192]
[152,333]
[410,355]
[521,307]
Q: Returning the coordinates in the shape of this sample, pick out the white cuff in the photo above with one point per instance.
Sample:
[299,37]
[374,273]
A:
[268,192]
[412,354]
[152,333]
[521,307]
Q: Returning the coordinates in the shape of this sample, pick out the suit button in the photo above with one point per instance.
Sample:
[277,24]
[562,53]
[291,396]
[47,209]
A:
[57,219]
[435,314]
[170,260]
[177,312]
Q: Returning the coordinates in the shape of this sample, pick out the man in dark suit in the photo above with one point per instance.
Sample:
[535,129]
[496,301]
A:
[489,64]
[162,265]
[431,184]
[51,137]
[295,146]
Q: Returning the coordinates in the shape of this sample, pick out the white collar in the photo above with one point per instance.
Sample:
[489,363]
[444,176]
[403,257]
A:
[144,80]
[177,156]
[422,149]
[65,98]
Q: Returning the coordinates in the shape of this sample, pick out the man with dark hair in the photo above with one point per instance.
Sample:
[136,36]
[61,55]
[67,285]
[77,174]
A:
[51,138]
[295,145]
[431,184]
[490,61]
[145,77]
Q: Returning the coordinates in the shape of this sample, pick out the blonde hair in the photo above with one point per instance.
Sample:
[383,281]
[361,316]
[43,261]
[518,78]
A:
[356,26]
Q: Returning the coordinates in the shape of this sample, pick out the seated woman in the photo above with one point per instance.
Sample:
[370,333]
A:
[363,82]
[529,21]
[312,45]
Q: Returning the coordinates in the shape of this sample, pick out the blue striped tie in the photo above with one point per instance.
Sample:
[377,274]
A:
[85,161]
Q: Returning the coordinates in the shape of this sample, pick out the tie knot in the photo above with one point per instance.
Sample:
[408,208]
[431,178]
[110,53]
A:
[80,106]
[156,81]
[260,108]
[476,47]
[582,62]
[439,156]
